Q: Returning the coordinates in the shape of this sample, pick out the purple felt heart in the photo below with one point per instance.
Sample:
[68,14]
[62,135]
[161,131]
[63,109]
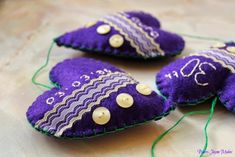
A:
[200,76]
[94,98]
[129,34]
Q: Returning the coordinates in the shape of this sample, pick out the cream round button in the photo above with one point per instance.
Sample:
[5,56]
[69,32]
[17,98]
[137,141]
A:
[231,49]
[116,41]
[143,89]
[101,115]
[124,100]
[89,24]
[219,45]
[103,29]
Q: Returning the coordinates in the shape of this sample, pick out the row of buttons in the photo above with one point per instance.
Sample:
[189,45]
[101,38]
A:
[115,41]
[101,115]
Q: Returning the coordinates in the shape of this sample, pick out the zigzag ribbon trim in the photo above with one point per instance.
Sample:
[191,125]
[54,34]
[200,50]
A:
[75,97]
[73,106]
[144,44]
[70,96]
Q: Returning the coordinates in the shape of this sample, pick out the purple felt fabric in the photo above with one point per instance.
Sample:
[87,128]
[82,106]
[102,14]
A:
[68,71]
[227,93]
[200,76]
[88,40]
[65,73]
[146,18]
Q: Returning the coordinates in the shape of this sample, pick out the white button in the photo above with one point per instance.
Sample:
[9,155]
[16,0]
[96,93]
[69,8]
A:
[219,45]
[89,24]
[231,49]
[124,100]
[101,115]
[103,29]
[116,41]
[143,89]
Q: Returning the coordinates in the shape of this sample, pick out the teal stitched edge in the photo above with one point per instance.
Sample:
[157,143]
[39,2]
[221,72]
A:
[174,53]
[226,105]
[105,132]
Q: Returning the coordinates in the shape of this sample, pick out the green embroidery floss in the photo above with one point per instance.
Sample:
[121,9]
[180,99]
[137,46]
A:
[35,75]
[203,38]
[211,111]
[206,126]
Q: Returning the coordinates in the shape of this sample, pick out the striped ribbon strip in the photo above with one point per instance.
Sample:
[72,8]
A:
[225,58]
[71,109]
[139,39]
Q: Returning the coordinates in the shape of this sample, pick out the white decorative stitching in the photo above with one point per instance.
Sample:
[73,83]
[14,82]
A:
[50,100]
[192,71]
[202,73]
[198,65]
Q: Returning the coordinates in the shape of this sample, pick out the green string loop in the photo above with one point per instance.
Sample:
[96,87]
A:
[35,75]
[211,111]
[203,38]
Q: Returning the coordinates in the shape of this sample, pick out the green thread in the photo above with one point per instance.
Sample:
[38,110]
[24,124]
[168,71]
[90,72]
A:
[35,75]
[203,37]
[211,111]
[207,123]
